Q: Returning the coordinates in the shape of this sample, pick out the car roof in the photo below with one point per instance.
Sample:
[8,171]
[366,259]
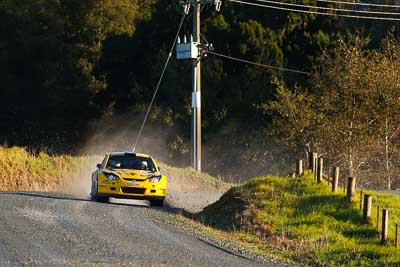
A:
[130,153]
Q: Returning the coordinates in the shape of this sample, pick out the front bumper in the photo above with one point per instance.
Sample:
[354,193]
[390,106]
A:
[125,196]
[132,190]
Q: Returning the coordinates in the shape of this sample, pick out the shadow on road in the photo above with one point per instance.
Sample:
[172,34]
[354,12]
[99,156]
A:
[116,202]
[46,195]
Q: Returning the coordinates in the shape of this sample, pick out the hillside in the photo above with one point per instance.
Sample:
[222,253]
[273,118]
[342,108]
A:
[302,220]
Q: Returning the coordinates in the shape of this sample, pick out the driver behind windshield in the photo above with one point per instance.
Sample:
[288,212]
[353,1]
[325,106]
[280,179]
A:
[130,162]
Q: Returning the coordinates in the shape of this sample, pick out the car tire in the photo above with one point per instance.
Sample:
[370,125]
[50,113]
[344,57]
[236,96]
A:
[99,199]
[157,202]
[102,199]
[93,193]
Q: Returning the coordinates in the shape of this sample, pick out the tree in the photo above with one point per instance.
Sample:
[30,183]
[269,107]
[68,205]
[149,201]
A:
[49,55]
[387,72]
[352,111]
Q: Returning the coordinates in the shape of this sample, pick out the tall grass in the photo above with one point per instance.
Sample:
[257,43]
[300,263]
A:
[21,170]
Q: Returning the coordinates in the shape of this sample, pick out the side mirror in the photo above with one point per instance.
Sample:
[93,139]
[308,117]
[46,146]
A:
[98,166]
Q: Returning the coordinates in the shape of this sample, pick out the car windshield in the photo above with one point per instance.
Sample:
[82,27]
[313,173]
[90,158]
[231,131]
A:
[130,162]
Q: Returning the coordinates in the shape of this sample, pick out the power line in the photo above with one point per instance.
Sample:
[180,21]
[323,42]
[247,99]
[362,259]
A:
[159,81]
[257,64]
[329,8]
[358,4]
[314,12]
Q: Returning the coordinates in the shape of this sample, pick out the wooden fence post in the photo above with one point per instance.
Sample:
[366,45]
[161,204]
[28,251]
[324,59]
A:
[385,225]
[314,162]
[351,189]
[367,208]
[377,218]
[335,181]
[320,170]
[299,169]
[329,174]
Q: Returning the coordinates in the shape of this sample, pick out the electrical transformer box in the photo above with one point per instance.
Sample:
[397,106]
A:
[187,50]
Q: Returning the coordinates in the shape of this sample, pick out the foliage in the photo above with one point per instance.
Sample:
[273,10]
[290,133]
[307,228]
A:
[67,63]
[351,111]
[48,59]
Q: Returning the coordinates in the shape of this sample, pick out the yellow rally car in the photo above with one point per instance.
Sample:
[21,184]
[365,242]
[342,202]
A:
[128,175]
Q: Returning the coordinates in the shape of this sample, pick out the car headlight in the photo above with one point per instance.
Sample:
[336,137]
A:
[111,176]
[155,179]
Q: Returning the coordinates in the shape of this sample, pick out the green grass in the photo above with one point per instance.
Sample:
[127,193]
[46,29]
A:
[303,221]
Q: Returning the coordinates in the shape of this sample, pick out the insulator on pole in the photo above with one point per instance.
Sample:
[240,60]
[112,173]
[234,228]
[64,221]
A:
[184,39]
[191,38]
[179,40]
[218,5]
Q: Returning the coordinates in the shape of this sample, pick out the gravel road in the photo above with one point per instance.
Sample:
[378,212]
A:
[45,229]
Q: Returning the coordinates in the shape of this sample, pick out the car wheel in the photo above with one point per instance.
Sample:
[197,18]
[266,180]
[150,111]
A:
[99,199]
[102,199]
[93,193]
[157,202]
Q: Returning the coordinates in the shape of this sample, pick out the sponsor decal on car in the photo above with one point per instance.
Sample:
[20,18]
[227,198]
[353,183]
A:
[132,184]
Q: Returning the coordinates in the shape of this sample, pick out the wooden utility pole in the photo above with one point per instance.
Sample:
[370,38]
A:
[193,50]
[196,95]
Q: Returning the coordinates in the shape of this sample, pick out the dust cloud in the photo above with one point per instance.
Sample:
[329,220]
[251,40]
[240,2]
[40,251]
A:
[237,153]
[234,153]
[117,133]
[80,183]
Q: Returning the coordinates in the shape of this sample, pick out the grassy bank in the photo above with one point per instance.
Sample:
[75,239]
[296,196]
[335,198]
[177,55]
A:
[303,221]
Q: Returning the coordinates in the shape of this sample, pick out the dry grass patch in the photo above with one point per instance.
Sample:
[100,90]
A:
[21,170]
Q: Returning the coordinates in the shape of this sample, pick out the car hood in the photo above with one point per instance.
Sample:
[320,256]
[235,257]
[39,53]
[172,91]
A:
[132,174]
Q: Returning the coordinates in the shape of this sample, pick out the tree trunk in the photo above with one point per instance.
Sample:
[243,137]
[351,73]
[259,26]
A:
[351,167]
[387,156]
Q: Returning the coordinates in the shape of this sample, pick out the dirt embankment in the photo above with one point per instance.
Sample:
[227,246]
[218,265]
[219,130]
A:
[191,190]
